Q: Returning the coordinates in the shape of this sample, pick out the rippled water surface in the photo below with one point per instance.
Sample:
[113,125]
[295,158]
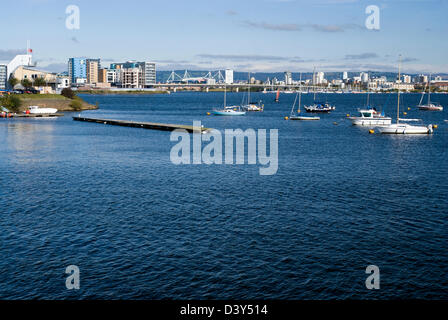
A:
[108,200]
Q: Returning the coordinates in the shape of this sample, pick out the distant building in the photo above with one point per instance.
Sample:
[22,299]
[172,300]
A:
[407,79]
[345,75]
[146,74]
[364,77]
[92,67]
[438,78]
[319,78]
[77,70]
[3,77]
[229,76]
[102,75]
[31,74]
[421,78]
[288,78]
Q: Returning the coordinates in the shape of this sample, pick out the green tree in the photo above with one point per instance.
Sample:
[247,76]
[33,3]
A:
[68,93]
[40,82]
[26,83]
[11,102]
[13,81]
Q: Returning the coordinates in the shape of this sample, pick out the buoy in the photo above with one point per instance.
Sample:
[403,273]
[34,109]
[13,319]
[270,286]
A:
[335,123]
[348,115]
[409,108]
[286,118]
[405,113]
[371,131]
[435,126]
[208,113]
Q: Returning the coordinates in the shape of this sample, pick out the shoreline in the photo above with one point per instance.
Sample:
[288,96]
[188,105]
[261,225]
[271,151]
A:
[56,101]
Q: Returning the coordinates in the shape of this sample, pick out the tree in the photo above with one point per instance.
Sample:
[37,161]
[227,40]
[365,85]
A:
[40,82]
[13,81]
[26,83]
[68,93]
[11,102]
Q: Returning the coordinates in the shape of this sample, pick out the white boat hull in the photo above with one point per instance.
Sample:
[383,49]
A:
[404,128]
[360,121]
[303,118]
[37,110]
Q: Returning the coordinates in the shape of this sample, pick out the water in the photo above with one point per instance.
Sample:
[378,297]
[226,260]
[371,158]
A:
[108,200]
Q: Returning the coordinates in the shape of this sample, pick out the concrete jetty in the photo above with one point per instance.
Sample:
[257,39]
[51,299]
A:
[144,125]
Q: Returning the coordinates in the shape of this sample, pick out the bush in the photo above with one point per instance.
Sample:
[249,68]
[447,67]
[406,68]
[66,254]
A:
[68,93]
[76,104]
[11,102]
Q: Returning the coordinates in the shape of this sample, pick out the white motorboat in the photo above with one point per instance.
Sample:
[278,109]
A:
[404,128]
[370,117]
[38,110]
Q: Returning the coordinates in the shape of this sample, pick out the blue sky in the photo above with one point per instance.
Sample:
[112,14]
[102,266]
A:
[246,35]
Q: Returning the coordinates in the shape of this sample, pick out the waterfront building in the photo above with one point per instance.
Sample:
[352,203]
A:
[92,67]
[102,75]
[19,60]
[319,78]
[3,77]
[77,70]
[421,78]
[345,75]
[146,74]
[364,77]
[31,74]
[288,78]
[229,76]
[131,77]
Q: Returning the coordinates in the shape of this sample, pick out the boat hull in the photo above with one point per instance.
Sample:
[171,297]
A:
[303,118]
[431,108]
[405,129]
[360,121]
[226,113]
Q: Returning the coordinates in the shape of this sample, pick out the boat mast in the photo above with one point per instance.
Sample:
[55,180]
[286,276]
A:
[398,102]
[248,89]
[314,85]
[225,91]
[300,92]
[429,89]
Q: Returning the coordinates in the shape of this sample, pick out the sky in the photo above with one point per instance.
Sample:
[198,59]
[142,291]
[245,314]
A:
[244,35]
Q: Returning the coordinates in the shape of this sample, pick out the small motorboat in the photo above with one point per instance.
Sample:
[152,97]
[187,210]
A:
[320,107]
[38,110]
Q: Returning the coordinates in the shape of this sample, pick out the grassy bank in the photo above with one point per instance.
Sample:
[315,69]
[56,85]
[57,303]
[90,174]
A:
[54,101]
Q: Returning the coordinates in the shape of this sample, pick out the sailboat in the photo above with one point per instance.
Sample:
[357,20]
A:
[277,95]
[252,106]
[297,117]
[404,128]
[429,106]
[318,107]
[228,110]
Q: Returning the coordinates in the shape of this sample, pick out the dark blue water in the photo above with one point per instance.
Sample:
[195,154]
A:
[108,200]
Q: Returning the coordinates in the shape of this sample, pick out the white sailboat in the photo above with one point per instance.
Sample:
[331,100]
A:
[292,116]
[318,107]
[251,106]
[429,106]
[404,128]
[228,110]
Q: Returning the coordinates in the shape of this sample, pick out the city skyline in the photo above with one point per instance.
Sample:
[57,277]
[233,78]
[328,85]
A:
[257,36]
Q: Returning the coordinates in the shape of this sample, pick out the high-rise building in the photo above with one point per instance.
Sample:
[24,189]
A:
[3,77]
[364,77]
[146,77]
[288,78]
[319,78]
[406,79]
[345,75]
[77,71]
[102,75]
[92,67]
[229,76]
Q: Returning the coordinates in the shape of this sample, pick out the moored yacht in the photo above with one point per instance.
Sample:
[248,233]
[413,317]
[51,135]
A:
[38,110]
[370,117]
